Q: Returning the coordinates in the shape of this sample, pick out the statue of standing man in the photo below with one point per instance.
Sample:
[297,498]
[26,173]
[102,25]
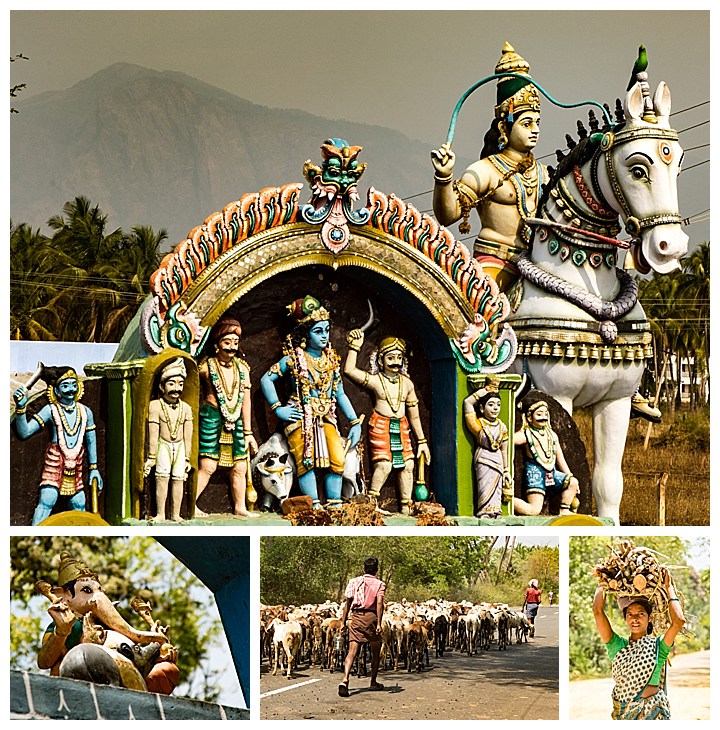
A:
[72,437]
[395,413]
[504,185]
[317,392]
[226,438]
[170,431]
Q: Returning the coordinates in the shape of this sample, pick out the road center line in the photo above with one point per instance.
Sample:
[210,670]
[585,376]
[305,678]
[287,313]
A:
[285,689]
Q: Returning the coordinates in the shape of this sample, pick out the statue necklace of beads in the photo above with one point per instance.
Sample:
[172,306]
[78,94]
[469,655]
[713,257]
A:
[524,177]
[320,371]
[397,379]
[495,442]
[229,413]
[70,431]
[173,429]
[543,453]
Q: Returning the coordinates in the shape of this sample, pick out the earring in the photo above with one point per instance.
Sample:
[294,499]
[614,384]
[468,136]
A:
[502,142]
[303,343]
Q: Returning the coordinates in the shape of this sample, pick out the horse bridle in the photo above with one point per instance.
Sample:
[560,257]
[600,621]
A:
[633,225]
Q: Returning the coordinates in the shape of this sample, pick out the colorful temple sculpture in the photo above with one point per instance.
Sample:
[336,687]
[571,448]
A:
[264,310]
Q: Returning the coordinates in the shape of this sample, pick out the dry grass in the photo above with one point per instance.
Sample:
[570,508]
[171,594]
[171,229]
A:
[679,446]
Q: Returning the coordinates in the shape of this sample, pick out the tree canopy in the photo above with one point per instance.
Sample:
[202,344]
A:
[298,570]
[678,309]
[83,283]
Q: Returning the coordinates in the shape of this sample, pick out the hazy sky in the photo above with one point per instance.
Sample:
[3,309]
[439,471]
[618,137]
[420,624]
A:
[400,69]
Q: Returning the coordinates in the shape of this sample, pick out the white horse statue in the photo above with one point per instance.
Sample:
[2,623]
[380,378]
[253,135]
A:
[583,337]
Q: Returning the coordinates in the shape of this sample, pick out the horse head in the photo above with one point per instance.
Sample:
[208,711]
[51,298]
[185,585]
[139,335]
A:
[639,179]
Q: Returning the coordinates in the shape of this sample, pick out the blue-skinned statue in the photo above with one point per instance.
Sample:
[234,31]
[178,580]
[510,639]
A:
[310,414]
[72,437]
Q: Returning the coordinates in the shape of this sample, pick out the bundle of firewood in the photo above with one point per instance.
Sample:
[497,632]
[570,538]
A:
[632,570]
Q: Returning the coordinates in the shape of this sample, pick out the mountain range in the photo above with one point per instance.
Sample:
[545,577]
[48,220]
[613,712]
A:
[163,149]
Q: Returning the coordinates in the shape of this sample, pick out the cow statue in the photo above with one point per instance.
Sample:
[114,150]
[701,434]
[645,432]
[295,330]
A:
[274,466]
[274,469]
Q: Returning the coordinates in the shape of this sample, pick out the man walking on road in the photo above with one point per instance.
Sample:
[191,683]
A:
[364,599]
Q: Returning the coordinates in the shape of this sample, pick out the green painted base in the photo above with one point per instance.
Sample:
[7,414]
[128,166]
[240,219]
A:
[271,519]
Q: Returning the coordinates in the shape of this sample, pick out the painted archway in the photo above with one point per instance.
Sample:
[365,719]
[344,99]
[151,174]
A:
[405,258]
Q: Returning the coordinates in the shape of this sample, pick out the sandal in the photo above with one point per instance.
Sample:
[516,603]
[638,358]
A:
[343,690]
[377,687]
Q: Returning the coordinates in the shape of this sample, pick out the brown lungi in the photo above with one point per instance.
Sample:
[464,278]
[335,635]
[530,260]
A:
[363,626]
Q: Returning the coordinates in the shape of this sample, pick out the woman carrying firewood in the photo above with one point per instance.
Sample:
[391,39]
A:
[639,663]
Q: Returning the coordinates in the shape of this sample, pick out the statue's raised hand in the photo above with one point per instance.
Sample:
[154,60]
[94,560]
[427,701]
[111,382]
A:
[443,160]
[21,397]
[355,339]
[63,616]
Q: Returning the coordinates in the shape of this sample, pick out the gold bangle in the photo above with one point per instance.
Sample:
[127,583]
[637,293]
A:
[275,406]
[356,421]
[59,635]
[20,411]
[352,347]
[92,466]
[247,433]
[443,180]
[422,441]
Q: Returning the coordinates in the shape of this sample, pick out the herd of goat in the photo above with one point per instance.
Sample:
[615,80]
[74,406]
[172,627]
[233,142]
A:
[315,635]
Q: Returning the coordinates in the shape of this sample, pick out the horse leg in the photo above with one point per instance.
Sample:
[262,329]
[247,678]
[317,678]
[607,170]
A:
[611,420]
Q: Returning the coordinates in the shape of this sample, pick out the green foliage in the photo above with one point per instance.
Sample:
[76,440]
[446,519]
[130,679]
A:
[587,653]
[125,567]
[298,570]
[678,309]
[82,283]
[689,430]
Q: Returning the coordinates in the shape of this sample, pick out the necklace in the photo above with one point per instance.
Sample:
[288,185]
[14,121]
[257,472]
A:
[543,445]
[494,441]
[173,429]
[400,400]
[66,425]
[525,176]
[230,413]
[320,371]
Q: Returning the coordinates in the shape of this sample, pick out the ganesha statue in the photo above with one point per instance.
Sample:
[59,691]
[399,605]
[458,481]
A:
[89,640]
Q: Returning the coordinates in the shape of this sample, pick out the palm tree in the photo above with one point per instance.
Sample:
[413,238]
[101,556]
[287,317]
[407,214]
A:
[29,292]
[86,282]
[694,287]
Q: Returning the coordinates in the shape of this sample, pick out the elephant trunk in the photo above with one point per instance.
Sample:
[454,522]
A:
[103,609]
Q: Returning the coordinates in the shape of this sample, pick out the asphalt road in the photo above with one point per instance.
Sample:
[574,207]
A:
[520,683]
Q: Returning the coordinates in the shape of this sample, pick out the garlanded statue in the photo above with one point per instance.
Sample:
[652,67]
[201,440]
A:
[310,414]
[504,185]
[170,432]
[72,438]
[88,639]
[334,190]
[546,471]
[226,438]
[395,414]
[492,472]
